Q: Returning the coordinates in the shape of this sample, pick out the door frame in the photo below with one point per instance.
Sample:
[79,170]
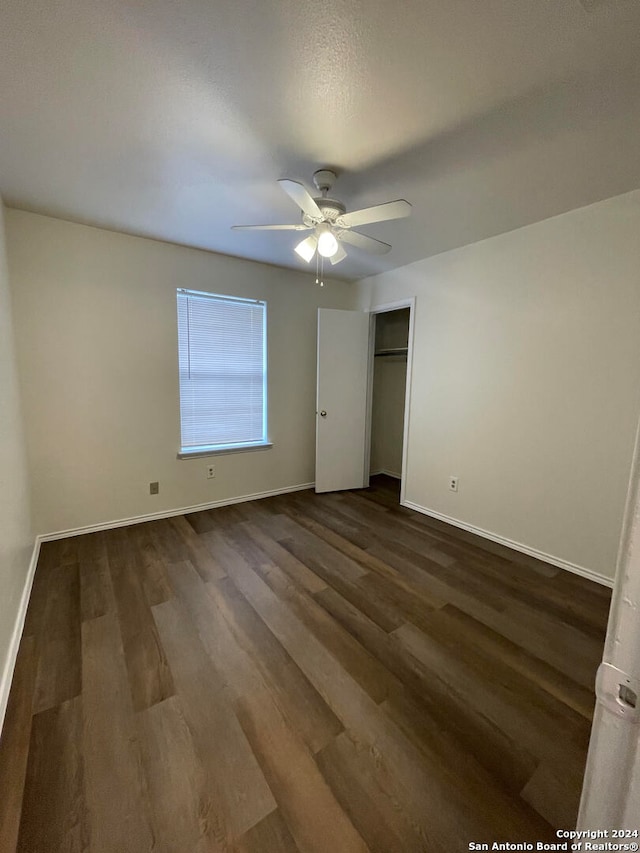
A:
[384,308]
[611,786]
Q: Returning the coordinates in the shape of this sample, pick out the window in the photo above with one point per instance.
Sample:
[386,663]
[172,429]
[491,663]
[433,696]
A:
[222,354]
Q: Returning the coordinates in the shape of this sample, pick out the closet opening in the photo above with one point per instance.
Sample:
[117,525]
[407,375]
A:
[389,396]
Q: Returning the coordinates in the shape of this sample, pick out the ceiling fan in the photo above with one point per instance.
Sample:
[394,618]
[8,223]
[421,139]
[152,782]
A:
[330,222]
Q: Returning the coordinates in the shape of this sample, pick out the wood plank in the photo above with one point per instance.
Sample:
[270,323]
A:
[258,549]
[515,687]
[531,629]
[371,564]
[308,568]
[220,518]
[399,601]
[500,753]
[316,553]
[315,819]
[497,648]
[53,812]
[392,526]
[149,674]
[472,743]
[271,835]
[362,666]
[530,717]
[14,744]
[153,571]
[554,791]
[223,517]
[178,788]
[200,521]
[464,597]
[260,510]
[59,674]
[67,549]
[405,567]
[300,703]
[34,620]
[521,584]
[352,775]
[115,788]
[240,795]
[287,765]
[196,551]
[548,638]
[169,544]
[456,580]
[405,777]
[96,591]
[359,595]
[331,518]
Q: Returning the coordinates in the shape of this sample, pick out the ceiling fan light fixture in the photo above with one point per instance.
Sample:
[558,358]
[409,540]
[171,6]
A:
[330,222]
[327,242]
[306,249]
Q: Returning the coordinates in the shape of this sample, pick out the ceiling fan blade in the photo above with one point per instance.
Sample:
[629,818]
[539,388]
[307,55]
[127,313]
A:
[299,227]
[340,255]
[300,195]
[379,213]
[307,248]
[367,244]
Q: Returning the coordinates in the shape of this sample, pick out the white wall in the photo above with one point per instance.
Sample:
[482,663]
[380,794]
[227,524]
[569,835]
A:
[16,541]
[97,346]
[526,380]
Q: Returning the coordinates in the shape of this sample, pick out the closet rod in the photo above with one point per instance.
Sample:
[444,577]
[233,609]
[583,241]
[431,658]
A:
[394,351]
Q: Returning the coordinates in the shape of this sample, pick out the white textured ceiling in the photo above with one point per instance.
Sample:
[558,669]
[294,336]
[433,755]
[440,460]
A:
[174,118]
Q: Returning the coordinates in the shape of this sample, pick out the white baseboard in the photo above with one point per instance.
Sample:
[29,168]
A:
[16,636]
[516,546]
[387,472]
[168,513]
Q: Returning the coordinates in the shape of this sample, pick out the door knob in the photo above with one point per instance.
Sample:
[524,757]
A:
[323,414]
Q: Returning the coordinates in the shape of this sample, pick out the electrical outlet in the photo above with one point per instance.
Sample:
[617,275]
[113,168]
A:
[453,484]
[211,472]
[154,488]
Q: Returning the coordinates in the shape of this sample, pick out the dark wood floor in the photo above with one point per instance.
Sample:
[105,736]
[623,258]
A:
[306,673]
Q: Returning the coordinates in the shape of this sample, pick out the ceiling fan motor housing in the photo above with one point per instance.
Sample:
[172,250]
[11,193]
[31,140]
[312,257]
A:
[331,208]
[324,179]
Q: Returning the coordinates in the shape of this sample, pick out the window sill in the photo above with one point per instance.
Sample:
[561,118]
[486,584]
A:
[240,448]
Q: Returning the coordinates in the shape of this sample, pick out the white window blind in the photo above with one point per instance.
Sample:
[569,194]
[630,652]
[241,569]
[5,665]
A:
[222,364]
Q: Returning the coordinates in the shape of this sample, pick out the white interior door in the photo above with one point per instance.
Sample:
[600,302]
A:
[341,404]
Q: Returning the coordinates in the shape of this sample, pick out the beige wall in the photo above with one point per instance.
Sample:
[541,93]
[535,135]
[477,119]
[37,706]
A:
[526,380]
[16,541]
[97,345]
